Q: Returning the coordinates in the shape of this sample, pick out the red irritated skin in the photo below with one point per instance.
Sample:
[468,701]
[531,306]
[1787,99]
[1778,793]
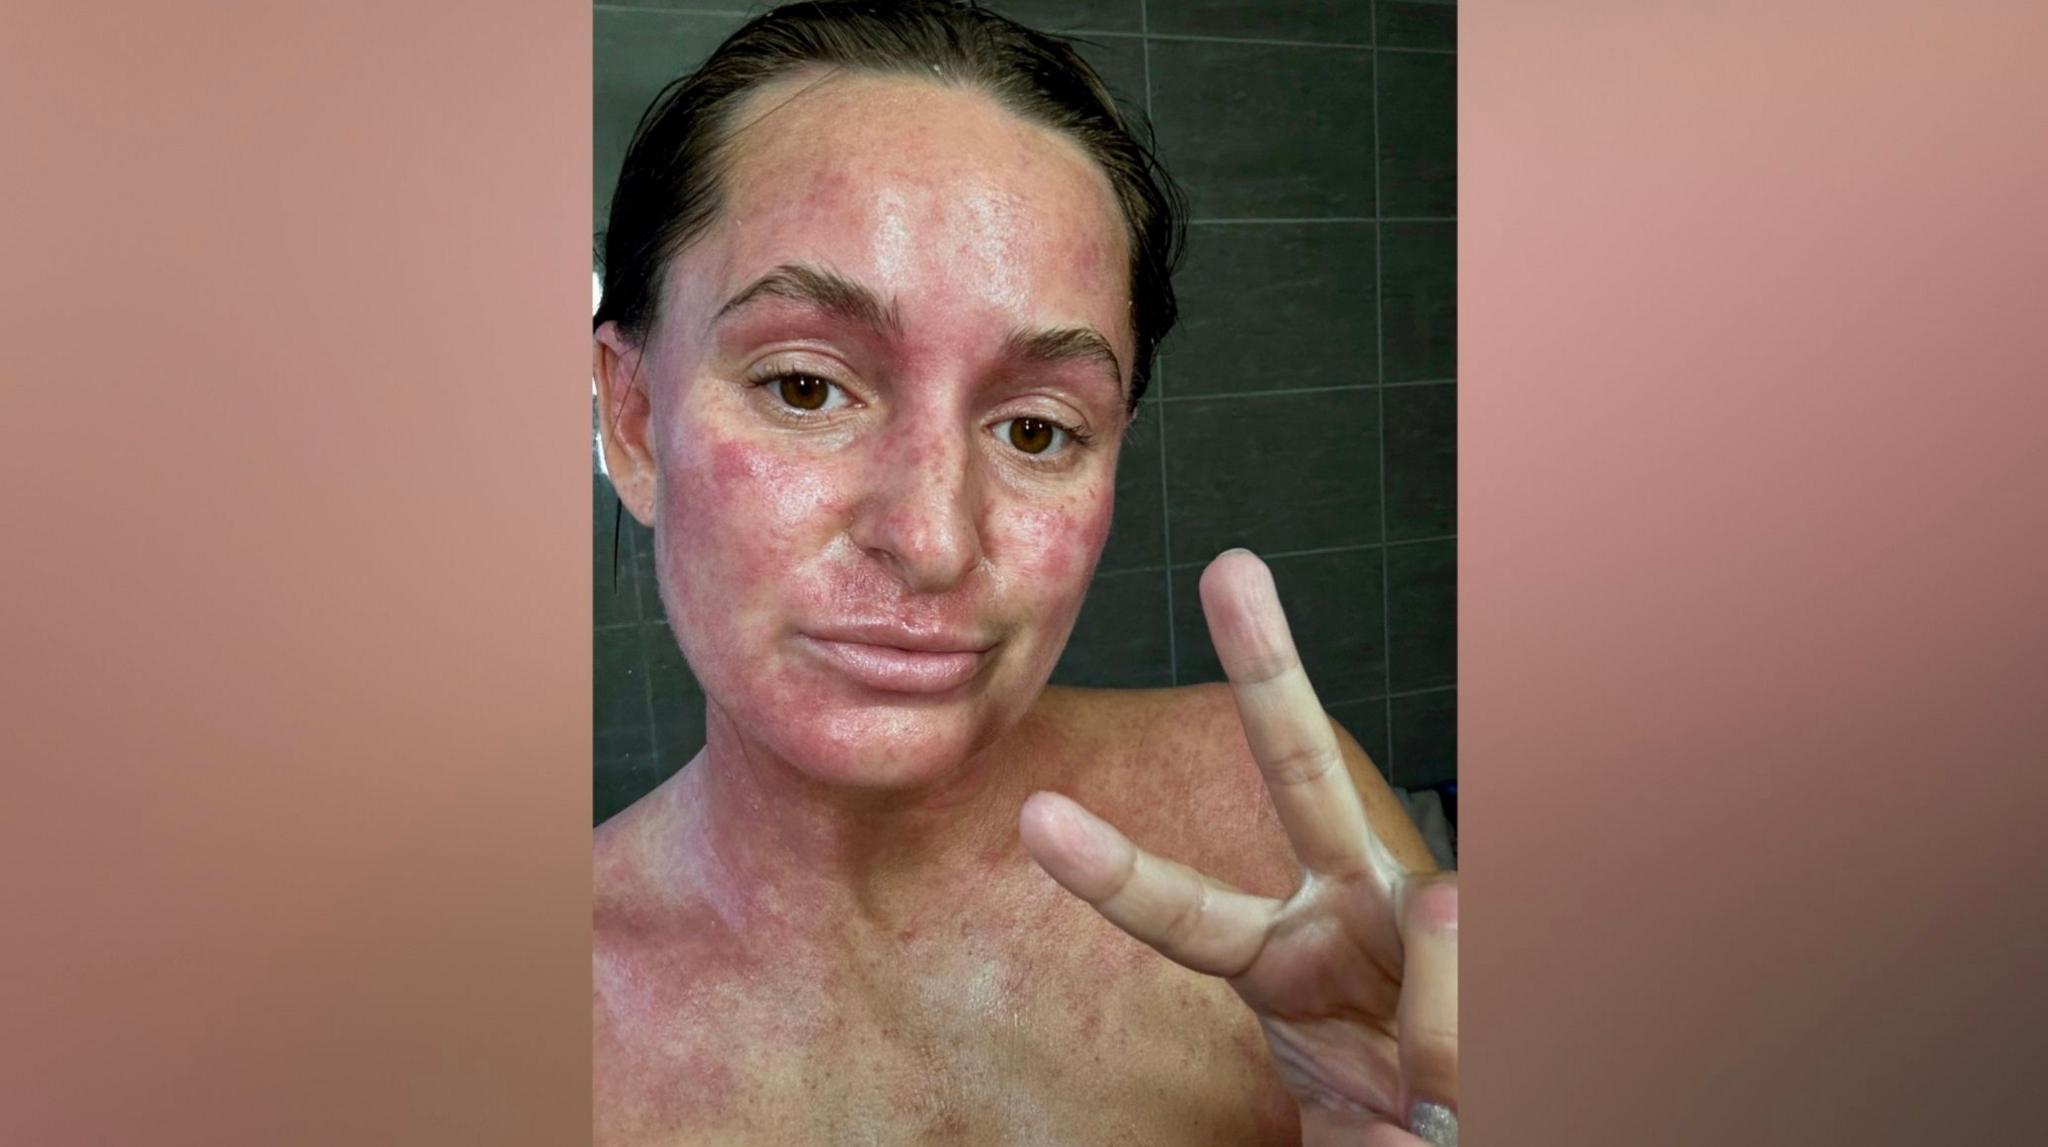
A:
[875,429]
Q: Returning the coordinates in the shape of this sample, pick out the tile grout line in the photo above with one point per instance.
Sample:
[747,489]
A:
[1296,220]
[1159,383]
[1276,392]
[631,578]
[1166,536]
[1276,555]
[1258,41]
[1286,555]
[646,664]
[1318,551]
[1143,31]
[1166,540]
[1426,691]
[1379,322]
[1287,391]
[1145,51]
[706,13]
[1401,696]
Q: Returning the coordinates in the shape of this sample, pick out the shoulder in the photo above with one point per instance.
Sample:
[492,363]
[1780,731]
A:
[618,867]
[1197,725]
[622,911]
[1175,763]
[634,861]
[1172,770]
[637,905]
[652,940]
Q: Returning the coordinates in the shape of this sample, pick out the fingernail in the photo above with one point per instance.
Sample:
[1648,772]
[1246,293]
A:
[1436,1124]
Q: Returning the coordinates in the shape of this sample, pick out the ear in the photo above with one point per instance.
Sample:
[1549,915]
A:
[625,420]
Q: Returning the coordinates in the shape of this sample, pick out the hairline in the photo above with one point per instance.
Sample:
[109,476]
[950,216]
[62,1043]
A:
[732,123]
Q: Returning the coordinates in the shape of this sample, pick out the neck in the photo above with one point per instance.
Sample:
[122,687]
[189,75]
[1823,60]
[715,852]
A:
[768,842]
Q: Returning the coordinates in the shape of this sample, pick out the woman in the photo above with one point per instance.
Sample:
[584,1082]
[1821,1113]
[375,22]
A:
[882,287]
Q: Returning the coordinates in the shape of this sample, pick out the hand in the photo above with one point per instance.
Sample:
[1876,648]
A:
[1353,977]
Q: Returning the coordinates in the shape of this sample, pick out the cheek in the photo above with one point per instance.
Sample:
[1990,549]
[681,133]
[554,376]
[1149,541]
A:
[753,482]
[1053,547]
[730,482]
[735,515]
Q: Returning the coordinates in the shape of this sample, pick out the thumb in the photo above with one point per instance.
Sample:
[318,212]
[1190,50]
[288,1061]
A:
[1427,1017]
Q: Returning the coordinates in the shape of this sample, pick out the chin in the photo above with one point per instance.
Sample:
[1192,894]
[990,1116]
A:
[837,732]
[885,746]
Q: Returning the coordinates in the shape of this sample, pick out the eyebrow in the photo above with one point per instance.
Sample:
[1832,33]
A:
[839,297]
[842,298]
[1066,344]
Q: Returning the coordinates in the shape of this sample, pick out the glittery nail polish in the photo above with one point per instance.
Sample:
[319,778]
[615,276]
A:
[1435,1123]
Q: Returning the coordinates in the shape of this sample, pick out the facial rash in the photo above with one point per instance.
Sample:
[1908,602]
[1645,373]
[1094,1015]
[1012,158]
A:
[900,508]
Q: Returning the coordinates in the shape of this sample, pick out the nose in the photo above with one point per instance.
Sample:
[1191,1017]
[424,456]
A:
[921,514]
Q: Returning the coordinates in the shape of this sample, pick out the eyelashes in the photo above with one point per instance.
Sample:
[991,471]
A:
[802,395]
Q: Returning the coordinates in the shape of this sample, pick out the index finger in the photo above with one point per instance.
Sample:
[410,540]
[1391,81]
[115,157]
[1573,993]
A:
[1284,723]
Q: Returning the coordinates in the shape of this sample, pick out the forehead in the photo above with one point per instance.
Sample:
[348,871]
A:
[929,194]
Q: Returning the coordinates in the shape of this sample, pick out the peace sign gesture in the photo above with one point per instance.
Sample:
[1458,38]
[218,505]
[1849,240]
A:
[1353,977]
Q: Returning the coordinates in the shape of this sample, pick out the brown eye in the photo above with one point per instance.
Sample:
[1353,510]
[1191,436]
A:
[1032,435]
[804,392]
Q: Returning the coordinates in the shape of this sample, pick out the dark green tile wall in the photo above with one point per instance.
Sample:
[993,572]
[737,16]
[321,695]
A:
[1219,106]
[1122,638]
[1125,16]
[1137,535]
[1320,21]
[1427,753]
[1273,473]
[1419,300]
[636,53]
[1275,306]
[1416,25]
[1417,138]
[1422,620]
[1306,407]
[1420,428]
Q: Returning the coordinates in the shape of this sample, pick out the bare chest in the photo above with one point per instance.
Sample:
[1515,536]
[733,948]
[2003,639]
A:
[1050,1032]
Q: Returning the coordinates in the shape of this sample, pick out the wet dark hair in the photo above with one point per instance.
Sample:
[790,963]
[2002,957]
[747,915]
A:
[670,184]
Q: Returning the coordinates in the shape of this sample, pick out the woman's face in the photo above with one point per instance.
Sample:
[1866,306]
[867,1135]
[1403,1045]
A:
[887,391]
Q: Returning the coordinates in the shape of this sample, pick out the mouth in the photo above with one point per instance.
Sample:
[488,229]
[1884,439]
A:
[900,662]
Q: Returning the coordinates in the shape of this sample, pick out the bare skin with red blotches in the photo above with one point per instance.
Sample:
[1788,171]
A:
[825,928]
[985,1006]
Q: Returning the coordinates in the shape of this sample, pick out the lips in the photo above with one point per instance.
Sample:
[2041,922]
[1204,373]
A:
[900,661]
